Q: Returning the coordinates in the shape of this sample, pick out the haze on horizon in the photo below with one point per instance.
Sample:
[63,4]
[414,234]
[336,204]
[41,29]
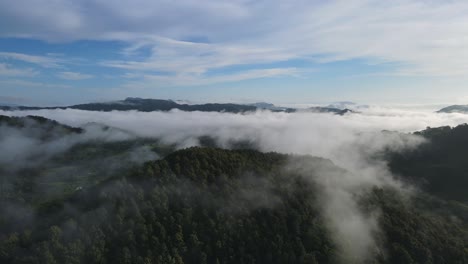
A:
[65,52]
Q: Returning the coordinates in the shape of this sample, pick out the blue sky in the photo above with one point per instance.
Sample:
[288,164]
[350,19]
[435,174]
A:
[298,51]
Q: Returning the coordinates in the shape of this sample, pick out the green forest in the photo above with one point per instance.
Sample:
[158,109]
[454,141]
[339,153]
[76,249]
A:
[212,205]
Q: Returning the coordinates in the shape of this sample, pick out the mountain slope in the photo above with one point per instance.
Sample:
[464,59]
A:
[206,205]
[149,105]
[45,127]
[42,158]
[454,109]
[440,166]
[146,105]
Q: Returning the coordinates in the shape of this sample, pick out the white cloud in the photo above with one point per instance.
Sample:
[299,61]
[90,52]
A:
[148,80]
[423,37]
[305,133]
[42,61]
[169,55]
[349,141]
[74,76]
[8,70]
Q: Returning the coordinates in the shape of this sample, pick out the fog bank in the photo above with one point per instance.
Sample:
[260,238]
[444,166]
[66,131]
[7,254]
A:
[350,141]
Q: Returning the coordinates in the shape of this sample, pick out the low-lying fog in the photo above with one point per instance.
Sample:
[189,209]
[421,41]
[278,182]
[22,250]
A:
[349,141]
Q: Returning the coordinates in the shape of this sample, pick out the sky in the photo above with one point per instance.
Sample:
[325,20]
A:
[59,52]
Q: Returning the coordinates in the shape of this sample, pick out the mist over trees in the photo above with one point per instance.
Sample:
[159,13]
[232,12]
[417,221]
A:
[439,166]
[303,131]
[103,194]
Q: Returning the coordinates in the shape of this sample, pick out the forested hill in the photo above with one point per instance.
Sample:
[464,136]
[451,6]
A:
[45,125]
[439,166]
[207,205]
[41,158]
[454,109]
[149,105]
[146,105]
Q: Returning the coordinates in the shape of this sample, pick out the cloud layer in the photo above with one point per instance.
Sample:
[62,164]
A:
[177,42]
[351,142]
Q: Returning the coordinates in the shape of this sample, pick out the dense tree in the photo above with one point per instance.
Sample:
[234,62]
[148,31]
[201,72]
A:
[440,165]
[209,205]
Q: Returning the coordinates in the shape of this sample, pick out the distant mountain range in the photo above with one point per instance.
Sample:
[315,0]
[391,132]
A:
[454,109]
[149,105]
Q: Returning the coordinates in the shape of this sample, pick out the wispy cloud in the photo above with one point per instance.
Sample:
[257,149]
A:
[8,70]
[74,76]
[426,37]
[192,39]
[43,61]
[168,55]
[147,81]
[421,39]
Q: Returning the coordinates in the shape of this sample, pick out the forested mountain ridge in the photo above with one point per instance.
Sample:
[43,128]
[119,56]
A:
[454,109]
[207,205]
[195,206]
[145,105]
[42,123]
[440,166]
[149,105]
[95,202]
[42,158]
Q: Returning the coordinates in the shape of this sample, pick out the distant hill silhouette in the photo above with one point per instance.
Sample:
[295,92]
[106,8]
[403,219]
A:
[149,105]
[454,109]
